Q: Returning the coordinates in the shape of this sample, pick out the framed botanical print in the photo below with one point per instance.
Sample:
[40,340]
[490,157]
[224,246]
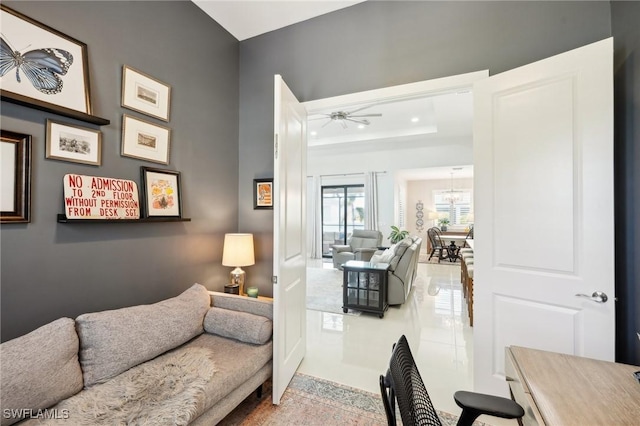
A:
[161,192]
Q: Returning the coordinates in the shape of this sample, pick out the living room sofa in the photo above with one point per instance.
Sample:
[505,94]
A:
[190,359]
[402,258]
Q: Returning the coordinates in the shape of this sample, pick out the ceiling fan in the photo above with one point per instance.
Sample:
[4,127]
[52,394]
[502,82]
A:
[342,117]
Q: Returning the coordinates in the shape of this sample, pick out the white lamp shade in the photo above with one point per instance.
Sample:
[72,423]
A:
[238,250]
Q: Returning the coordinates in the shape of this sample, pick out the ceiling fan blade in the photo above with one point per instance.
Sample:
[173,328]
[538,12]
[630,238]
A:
[344,125]
[324,117]
[365,122]
[327,123]
[361,108]
[365,115]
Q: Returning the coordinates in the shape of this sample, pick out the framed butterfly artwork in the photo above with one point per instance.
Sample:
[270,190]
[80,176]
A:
[42,67]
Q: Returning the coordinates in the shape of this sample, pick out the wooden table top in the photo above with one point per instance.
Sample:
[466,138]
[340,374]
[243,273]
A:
[572,390]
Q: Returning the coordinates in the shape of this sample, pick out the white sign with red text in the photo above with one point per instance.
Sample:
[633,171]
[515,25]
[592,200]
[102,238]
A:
[93,197]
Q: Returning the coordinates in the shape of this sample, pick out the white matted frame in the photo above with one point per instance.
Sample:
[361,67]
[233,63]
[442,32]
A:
[76,144]
[162,193]
[144,140]
[62,80]
[145,94]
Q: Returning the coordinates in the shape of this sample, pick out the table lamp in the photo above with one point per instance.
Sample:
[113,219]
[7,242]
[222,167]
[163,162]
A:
[237,252]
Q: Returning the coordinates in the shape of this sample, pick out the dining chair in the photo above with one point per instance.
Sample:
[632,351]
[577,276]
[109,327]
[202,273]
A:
[435,240]
[403,384]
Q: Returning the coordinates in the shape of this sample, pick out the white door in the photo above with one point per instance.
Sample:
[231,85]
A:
[289,237]
[543,155]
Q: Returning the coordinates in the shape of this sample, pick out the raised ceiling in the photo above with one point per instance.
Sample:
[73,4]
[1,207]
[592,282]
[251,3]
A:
[405,120]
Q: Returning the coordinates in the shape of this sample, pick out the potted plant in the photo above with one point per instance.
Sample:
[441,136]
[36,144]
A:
[444,222]
[397,235]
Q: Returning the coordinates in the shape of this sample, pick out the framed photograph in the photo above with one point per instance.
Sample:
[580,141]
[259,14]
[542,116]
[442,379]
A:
[62,77]
[76,144]
[144,140]
[161,193]
[15,177]
[145,94]
[262,194]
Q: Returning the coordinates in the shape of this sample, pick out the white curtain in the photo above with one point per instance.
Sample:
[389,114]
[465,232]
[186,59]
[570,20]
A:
[315,215]
[371,200]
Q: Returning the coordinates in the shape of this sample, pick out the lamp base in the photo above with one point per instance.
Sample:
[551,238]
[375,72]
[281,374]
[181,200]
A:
[237,278]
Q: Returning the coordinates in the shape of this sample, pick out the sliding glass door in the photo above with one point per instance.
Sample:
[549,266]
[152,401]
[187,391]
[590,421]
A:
[342,212]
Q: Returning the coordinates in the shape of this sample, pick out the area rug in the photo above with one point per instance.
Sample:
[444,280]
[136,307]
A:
[312,401]
[324,290]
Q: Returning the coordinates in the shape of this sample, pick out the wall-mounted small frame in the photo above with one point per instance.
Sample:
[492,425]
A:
[61,81]
[263,194]
[144,140]
[161,193]
[76,144]
[15,177]
[145,94]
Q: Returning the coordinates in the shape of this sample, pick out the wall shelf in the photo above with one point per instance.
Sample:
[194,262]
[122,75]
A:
[63,219]
[15,98]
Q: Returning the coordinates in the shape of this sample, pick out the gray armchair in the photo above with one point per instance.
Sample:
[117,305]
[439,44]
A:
[361,246]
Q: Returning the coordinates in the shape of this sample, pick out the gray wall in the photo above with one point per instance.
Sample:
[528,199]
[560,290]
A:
[51,270]
[625,18]
[378,44]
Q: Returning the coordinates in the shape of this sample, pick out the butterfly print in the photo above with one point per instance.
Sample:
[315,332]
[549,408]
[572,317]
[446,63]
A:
[42,67]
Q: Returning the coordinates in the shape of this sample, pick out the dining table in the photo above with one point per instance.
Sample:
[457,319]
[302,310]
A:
[452,248]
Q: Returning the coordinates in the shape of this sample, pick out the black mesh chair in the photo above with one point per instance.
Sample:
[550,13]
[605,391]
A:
[403,384]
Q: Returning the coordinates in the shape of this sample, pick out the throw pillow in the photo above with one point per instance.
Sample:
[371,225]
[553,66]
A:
[238,325]
[385,256]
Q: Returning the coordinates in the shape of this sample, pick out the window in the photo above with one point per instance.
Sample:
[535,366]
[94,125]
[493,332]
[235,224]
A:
[342,212]
[457,210]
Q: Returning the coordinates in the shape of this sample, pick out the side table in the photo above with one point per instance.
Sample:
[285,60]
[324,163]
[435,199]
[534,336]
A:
[365,287]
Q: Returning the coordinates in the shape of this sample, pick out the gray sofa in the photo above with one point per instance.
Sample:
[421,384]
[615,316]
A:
[402,258]
[190,359]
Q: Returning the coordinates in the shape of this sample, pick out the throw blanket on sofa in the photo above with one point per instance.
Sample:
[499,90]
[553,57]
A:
[164,391]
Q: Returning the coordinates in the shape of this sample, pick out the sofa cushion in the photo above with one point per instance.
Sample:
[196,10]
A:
[384,256]
[242,326]
[236,362]
[401,248]
[114,341]
[40,368]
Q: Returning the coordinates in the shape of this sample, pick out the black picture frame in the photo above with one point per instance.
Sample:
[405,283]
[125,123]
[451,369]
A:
[161,193]
[16,206]
[263,194]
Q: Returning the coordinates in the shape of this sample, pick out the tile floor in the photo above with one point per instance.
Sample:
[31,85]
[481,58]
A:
[354,350]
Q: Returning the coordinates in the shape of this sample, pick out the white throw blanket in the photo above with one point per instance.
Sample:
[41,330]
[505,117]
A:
[164,391]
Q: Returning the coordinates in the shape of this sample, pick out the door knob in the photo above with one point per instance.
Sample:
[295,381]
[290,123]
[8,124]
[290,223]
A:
[597,296]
